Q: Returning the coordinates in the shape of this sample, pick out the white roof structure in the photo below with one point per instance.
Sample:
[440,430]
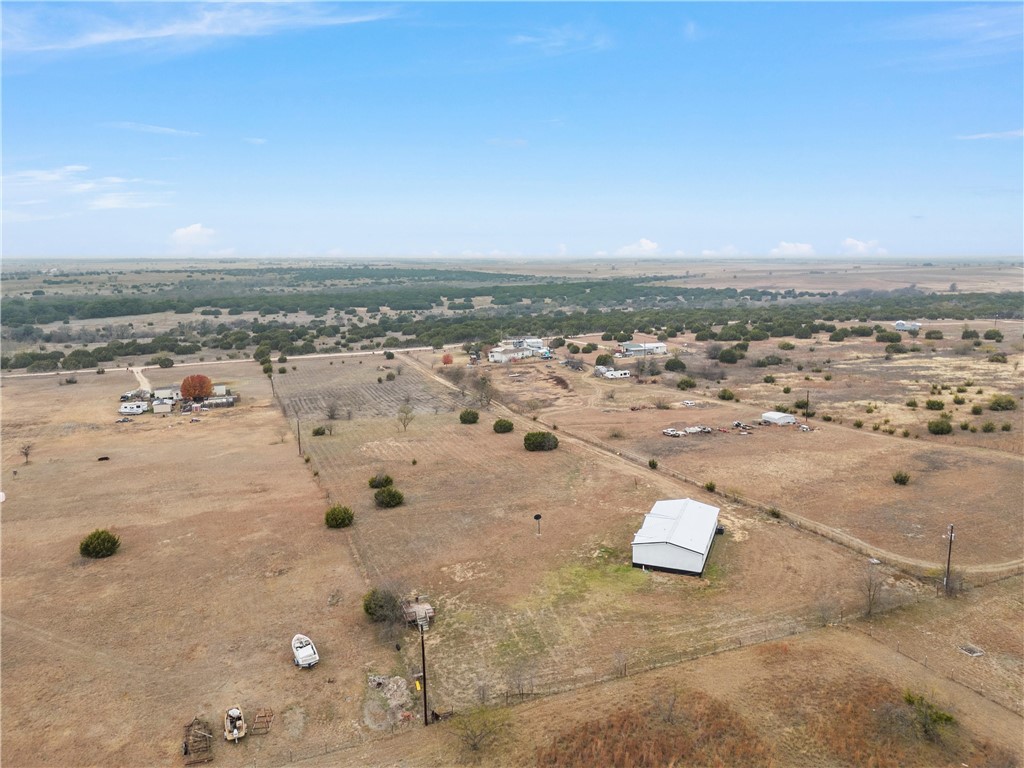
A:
[676,536]
[777,417]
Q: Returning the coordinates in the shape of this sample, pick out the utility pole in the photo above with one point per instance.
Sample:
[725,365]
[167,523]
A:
[949,557]
[807,405]
[298,433]
[423,656]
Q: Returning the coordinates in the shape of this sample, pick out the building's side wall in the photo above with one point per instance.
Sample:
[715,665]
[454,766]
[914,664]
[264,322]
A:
[664,556]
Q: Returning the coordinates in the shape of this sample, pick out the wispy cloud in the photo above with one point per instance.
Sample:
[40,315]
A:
[961,36]
[792,249]
[147,128]
[853,247]
[37,27]
[253,140]
[558,41]
[725,250]
[691,32]
[998,135]
[642,247]
[58,192]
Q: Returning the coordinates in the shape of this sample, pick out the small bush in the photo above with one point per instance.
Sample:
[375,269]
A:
[1002,403]
[675,365]
[993,334]
[380,480]
[686,383]
[988,426]
[710,486]
[940,427]
[319,431]
[934,405]
[786,390]
[787,346]
[977,410]
[769,379]
[965,425]
[1006,427]
[911,403]
[338,517]
[540,441]
[99,543]
[382,605]
[726,394]
[469,416]
[774,513]
[933,335]
[900,477]
[858,423]
[501,426]
[997,357]
[652,463]
[388,497]
[282,369]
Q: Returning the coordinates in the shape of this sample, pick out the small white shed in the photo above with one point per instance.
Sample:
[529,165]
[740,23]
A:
[775,417]
[676,536]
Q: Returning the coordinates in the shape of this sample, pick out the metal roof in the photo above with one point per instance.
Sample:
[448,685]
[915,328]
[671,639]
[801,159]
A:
[682,522]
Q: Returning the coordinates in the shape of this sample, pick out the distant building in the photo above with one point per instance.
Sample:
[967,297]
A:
[519,349]
[903,325]
[776,417]
[676,536]
[629,349]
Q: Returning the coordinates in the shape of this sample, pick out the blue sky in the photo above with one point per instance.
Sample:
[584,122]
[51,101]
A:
[512,130]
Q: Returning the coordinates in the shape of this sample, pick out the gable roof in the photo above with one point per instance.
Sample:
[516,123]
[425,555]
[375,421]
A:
[683,523]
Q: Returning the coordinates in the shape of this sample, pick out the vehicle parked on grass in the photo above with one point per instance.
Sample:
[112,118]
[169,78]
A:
[671,432]
[304,652]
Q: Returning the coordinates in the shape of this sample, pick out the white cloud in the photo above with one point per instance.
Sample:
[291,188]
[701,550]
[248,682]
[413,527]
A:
[68,186]
[725,250]
[792,249]
[642,247]
[193,237]
[853,247]
[998,135]
[37,27]
[147,128]
[254,140]
[558,41]
[118,200]
[960,36]
[690,32]
[562,249]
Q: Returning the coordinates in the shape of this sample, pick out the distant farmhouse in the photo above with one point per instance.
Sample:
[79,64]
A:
[676,536]
[778,418]
[629,349]
[519,349]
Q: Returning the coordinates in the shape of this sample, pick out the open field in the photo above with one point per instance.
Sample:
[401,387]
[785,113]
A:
[225,556]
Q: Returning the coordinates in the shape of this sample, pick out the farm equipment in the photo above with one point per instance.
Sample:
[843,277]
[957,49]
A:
[197,746]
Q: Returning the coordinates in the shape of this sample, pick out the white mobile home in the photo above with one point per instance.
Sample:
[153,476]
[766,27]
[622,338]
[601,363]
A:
[676,536]
[631,349]
[616,374]
[903,325]
[775,417]
[133,409]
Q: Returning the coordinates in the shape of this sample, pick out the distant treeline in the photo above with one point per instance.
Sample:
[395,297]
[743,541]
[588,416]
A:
[744,321]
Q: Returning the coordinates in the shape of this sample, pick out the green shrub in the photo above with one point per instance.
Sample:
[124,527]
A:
[686,383]
[933,335]
[977,410]
[988,426]
[652,463]
[381,480]
[774,513]
[382,605]
[726,394]
[958,400]
[501,426]
[900,477]
[675,365]
[388,497]
[1002,403]
[99,543]
[888,337]
[319,431]
[858,423]
[710,486]
[969,334]
[282,369]
[786,390]
[469,416]
[769,379]
[965,425]
[993,334]
[540,441]
[934,405]
[1006,426]
[911,403]
[338,517]
[940,427]
[998,357]
[787,345]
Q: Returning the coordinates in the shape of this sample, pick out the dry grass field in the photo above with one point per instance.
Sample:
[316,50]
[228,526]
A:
[225,555]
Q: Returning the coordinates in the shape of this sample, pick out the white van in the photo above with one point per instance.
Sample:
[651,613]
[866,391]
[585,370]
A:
[133,408]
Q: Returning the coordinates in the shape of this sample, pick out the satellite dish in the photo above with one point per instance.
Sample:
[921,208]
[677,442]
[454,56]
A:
[537,516]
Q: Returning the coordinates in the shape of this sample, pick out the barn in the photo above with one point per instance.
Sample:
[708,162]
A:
[775,417]
[676,536]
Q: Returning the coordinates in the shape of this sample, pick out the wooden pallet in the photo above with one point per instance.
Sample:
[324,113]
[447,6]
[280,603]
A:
[261,724]
[197,746]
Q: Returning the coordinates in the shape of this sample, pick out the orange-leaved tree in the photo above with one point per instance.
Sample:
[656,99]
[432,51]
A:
[196,386]
[447,359]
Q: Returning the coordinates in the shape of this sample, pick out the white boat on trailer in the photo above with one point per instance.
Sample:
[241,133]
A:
[304,652]
[234,724]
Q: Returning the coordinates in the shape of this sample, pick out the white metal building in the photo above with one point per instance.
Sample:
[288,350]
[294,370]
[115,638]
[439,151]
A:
[676,536]
[630,349]
[775,417]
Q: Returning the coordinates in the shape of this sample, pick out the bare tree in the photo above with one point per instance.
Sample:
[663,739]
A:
[481,728]
[405,416]
[519,678]
[666,705]
[871,586]
[620,662]
[25,450]
[332,410]
[825,608]
[484,390]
